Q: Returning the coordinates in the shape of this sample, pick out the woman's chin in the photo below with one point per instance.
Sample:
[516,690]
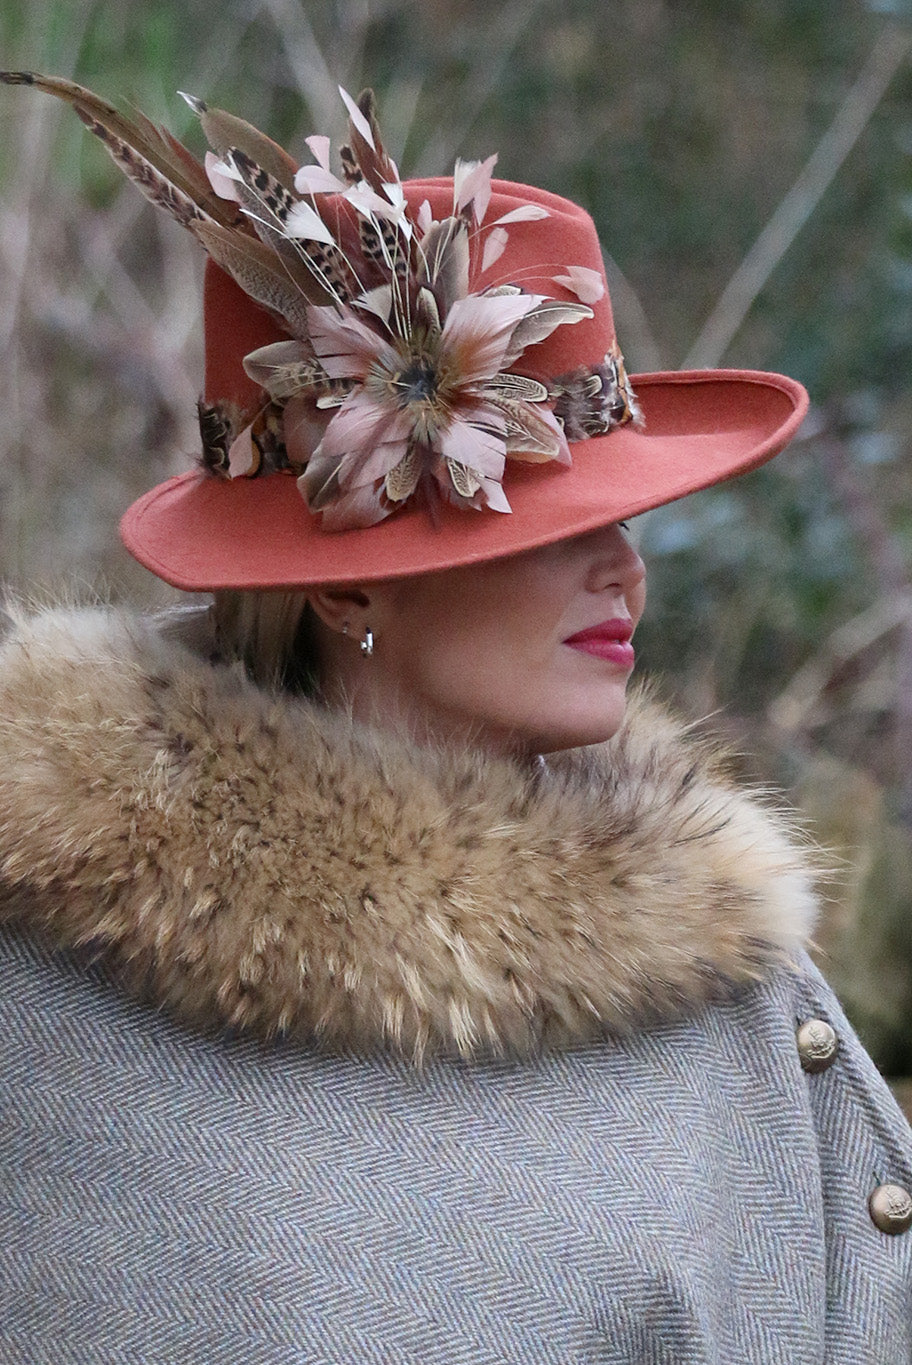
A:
[579,729]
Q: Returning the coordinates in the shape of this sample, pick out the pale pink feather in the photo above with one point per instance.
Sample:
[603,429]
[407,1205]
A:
[495,497]
[586,284]
[358,119]
[355,510]
[347,347]
[318,180]
[478,330]
[526,213]
[472,185]
[494,247]
[222,177]
[304,223]
[243,458]
[369,203]
[471,445]
[425,216]
[384,457]
[303,426]
[355,427]
[320,145]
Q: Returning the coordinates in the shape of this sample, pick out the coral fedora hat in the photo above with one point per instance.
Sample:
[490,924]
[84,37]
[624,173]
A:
[405,377]
[697,428]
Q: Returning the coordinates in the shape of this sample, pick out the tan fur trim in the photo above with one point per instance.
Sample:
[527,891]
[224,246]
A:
[257,861]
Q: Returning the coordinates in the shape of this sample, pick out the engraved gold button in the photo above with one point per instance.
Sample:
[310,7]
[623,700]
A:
[891,1209]
[817,1045]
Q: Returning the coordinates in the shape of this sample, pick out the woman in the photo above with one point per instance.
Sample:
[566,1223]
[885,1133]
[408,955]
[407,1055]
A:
[375,989]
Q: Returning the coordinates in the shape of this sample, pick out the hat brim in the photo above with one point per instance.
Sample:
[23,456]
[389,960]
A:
[202,533]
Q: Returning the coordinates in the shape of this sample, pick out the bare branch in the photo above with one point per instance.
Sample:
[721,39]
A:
[639,340]
[852,117]
[796,708]
[507,26]
[305,57]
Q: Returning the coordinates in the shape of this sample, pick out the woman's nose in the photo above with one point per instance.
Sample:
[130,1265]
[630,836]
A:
[614,563]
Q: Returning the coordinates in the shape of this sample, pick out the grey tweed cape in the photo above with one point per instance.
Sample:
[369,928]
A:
[317,1047]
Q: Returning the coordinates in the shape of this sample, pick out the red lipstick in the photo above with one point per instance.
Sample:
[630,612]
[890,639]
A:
[608,640]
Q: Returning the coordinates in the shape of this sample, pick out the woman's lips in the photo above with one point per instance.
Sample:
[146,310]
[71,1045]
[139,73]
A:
[609,640]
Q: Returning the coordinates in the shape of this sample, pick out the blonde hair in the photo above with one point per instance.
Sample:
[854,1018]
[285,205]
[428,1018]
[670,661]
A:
[272,633]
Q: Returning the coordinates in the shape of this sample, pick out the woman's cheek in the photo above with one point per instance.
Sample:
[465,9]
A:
[636,600]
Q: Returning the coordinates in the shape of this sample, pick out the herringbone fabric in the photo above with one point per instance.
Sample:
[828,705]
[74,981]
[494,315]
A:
[688,1195]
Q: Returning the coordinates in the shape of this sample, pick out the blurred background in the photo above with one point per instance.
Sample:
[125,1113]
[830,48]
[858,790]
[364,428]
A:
[749,167]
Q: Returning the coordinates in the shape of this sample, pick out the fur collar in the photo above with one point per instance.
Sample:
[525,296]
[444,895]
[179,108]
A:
[255,861]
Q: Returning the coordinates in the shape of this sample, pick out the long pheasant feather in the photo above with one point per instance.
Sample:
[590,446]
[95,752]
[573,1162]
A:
[226,133]
[172,179]
[266,193]
[271,205]
[183,158]
[365,150]
[262,275]
[286,368]
[157,188]
[444,260]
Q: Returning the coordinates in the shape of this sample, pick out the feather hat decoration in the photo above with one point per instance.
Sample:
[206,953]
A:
[386,346]
[396,381]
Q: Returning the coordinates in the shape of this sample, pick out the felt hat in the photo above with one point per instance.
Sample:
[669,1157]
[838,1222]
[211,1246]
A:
[404,377]
[699,427]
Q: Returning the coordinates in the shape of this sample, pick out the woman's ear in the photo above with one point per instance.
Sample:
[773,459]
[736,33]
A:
[342,609]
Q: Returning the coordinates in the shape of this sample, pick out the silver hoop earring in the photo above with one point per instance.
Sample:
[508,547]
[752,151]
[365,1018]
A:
[367,644]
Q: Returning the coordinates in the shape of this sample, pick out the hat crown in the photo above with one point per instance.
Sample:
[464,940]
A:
[537,253]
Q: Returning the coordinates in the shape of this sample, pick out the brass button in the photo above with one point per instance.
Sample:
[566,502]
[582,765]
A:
[817,1045]
[891,1209]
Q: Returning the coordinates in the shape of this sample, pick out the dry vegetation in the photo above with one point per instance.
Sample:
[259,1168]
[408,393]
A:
[748,168]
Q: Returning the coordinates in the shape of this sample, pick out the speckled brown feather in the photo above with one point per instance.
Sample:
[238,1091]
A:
[163,169]
[256,861]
